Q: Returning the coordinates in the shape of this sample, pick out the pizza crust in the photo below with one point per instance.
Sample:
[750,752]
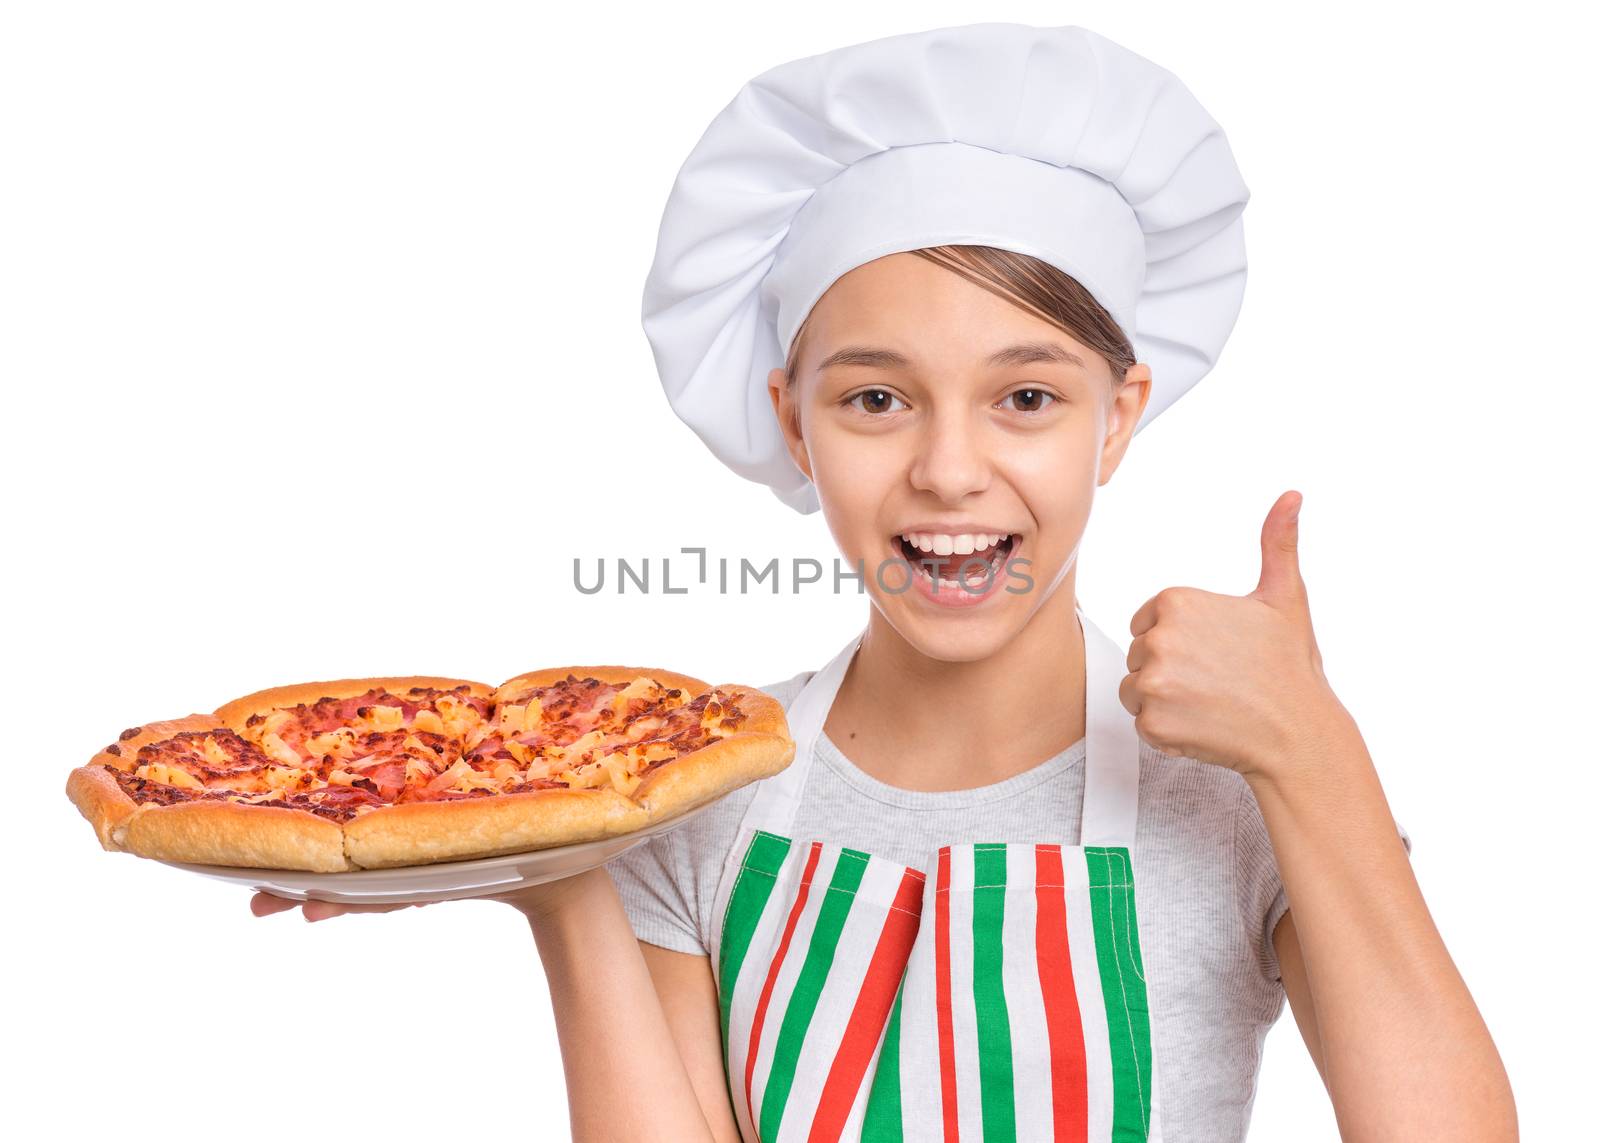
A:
[216,832]
[235,713]
[418,833]
[764,713]
[708,773]
[96,793]
[99,799]
[606,674]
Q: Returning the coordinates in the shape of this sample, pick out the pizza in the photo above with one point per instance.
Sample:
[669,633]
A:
[386,772]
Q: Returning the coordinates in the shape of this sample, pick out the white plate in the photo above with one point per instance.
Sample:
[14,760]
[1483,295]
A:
[441,881]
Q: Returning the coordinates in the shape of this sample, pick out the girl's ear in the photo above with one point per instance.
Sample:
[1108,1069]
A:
[1127,406]
[787,411]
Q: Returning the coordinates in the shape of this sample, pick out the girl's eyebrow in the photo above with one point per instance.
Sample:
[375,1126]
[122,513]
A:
[1031,351]
[1024,353]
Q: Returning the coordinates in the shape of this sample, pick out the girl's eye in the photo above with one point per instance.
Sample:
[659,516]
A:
[1032,400]
[877,401]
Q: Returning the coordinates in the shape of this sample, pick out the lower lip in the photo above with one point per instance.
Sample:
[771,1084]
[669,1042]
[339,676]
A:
[955,597]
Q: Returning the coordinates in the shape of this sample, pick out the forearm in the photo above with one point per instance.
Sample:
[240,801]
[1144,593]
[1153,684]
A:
[625,1078]
[1406,1052]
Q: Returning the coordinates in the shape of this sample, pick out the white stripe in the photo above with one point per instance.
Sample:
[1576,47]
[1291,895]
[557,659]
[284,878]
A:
[921,1109]
[1030,1034]
[858,941]
[1091,999]
[963,1001]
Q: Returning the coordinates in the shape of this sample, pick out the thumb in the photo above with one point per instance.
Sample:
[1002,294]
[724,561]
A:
[1280,553]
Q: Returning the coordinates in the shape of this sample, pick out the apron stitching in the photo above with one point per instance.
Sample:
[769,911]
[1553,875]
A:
[1133,962]
[1127,1013]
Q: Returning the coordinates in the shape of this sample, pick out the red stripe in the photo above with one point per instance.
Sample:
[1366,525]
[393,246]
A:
[772,972]
[1069,1077]
[871,1011]
[947,1033]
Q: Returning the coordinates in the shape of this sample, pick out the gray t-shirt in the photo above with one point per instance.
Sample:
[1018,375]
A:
[1208,893]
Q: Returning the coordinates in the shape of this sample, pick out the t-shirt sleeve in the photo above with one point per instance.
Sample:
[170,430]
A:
[1261,898]
[654,880]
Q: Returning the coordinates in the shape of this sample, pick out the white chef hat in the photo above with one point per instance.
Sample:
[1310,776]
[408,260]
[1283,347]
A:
[1052,142]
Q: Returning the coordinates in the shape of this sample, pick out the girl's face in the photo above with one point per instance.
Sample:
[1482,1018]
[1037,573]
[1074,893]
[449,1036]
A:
[933,416]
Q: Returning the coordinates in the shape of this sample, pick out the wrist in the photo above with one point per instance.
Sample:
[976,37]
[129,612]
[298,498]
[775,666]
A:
[552,902]
[1318,737]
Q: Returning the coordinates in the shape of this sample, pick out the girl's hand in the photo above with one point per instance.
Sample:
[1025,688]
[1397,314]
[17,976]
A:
[1229,679]
[534,901]
[264,904]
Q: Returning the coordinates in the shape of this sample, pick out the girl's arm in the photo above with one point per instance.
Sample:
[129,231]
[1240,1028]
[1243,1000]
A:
[1387,1018]
[688,995]
[626,1076]
[1237,681]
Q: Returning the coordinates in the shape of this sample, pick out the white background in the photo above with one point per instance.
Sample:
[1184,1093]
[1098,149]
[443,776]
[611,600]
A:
[322,359]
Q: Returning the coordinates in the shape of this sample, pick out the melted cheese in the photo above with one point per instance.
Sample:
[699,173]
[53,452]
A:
[214,753]
[340,743]
[641,687]
[169,775]
[587,742]
[279,750]
[382,717]
[282,777]
[616,766]
[458,717]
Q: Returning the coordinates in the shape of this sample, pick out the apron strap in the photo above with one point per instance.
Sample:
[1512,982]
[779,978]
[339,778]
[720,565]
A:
[778,797]
[1111,765]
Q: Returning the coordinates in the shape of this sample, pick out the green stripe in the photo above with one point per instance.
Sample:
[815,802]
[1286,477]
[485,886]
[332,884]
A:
[1116,942]
[838,898]
[989,994]
[762,859]
[882,1122]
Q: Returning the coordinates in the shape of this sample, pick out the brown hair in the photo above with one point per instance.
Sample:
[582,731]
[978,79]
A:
[1034,285]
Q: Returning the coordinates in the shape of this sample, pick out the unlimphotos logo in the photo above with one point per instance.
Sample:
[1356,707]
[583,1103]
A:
[973,575]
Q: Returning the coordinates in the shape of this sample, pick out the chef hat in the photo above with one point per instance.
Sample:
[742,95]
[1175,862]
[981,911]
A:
[1052,142]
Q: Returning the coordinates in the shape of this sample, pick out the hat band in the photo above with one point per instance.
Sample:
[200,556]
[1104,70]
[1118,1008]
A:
[935,194]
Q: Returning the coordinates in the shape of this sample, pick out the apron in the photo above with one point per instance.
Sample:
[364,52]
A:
[998,993]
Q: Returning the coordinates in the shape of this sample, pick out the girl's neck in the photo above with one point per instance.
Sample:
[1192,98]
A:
[923,724]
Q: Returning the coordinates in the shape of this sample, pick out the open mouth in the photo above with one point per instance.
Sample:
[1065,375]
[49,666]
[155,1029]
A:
[948,562]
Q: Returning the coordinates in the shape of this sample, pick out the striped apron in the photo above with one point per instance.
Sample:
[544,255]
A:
[996,994]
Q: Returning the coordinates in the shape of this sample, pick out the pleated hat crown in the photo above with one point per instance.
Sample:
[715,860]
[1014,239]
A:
[1051,142]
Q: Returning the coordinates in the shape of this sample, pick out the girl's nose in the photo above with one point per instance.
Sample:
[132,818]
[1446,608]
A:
[951,458]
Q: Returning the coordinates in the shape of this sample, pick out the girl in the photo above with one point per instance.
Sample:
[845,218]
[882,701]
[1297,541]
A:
[1017,883]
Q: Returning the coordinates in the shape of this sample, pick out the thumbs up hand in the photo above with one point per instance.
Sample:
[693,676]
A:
[1228,679]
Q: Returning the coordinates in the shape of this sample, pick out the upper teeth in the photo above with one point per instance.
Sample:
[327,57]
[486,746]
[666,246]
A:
[943,545]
